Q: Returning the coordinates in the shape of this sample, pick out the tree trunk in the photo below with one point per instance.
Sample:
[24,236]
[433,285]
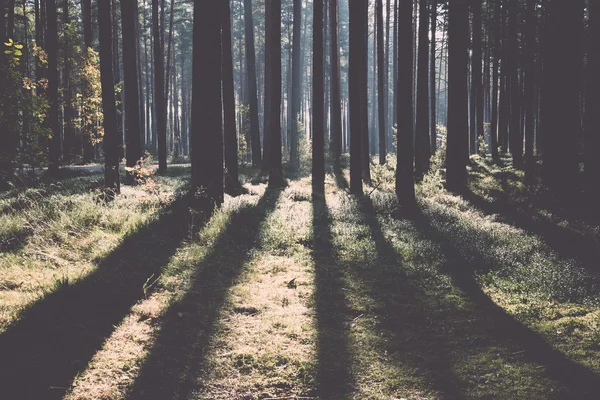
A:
[476,68]
[357,56]
[458,58]
[232,183]
[267,92]
[423,145]
[53,83]
[206,136]
[432,97]
[253,96]
[296,84]
[592,138]
[111,133]
[336,97]
[364,105]
[133,149]
[495,76]
[529,83]
[516,134]
[276,170]
[318,162]
[405,183]
[381,83]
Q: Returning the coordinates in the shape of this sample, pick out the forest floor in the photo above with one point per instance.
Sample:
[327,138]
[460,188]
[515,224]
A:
[285,295]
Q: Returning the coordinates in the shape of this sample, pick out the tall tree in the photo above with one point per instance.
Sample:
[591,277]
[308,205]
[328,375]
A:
[364,97]
[381,82]
[560,117]
[159,93]
[592,136]
[111,140]
[497,51]
[133,151]
[296,83]
[423,145]
[252,88]
[206,134]
[432,97]
[276,168]
[336,97]
[458,58]
[405,183]
[232,183]
[318,162]
[358,37]
[69,109]
[53,82]
[515,132]
[268,81]
[476,73]
[529,86]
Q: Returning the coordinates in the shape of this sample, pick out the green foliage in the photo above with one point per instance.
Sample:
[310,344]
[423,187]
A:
[243,154]
[90,101]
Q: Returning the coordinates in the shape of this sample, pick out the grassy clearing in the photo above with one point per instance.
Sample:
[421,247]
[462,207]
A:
[286,295]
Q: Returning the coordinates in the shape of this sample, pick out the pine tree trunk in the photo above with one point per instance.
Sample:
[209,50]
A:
[318,162]
[529,103]
[381,83]
[206,135]
[405,184]
[53,83]
[357,56]
[253,96]
[423,145]
[432,97]
[133,150]
[458,58]
[111,133]
[232,184]
[592,137]
[336,97]
[276,170]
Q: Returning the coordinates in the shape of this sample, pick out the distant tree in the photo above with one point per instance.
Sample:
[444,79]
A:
[276,168]
[358,37]
[251,76]
[232,183]
[206,133]
[111,140]
[458,58]
[529,86]
[318,162]
[432,97]
[133,149]
[364,97]
[476,75]
[497,52]
[405,183]
[423,143]
[515,132]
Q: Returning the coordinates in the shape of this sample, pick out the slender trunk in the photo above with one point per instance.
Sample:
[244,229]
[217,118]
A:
[253,96]
[318,162]
[432,98]
[357,56]
[159,93]
[423,144]
[53,83]
[232,184]
[336,97]
[111,129]
[381,83]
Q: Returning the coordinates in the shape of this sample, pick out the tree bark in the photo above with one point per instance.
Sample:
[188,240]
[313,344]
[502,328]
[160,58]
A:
[253,96]
[336,97]
[206,136]
[357,56]
[53,83]
[381,83]
[405,183]
[458,58]
[423,145]
[318,162]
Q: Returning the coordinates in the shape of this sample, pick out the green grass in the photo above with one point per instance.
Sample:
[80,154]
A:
[491,294]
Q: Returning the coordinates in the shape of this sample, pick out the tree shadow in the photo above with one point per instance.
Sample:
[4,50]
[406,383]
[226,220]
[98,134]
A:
[334,378]
[55,338]
[565,242]
[580,381]
[411,326]
[176,364]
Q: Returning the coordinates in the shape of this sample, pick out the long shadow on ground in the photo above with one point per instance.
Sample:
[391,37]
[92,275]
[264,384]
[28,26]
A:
[176,365]
[334,380]
[57,336]
[579,381]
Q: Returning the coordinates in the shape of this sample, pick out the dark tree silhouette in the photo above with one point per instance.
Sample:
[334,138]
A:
[159,84]
[133,149]
[423,143]
[111,141]
[232,183]
[276,169]
[381,82]
[529,87]
[53,82]
[358,37]
[336,97]
[476,74]
[515,132]
[253,96]
[592,136]
[405,183]
[497,51]
[296,84]
[318,156]
[560,119]
[458,120]
[432,98]
[206,134]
